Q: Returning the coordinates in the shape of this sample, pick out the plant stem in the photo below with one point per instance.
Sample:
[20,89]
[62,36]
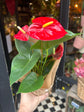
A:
[53,50]
[45,59]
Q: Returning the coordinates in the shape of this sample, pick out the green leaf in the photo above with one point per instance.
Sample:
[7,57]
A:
[48,67]
[81,109]
[21,65]
[31,83]
[50,51]
[23,47]
[48,44]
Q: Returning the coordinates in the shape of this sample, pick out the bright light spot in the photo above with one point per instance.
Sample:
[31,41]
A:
[15,25]
[9,24]
[76,5]
[30,3]
[58,1]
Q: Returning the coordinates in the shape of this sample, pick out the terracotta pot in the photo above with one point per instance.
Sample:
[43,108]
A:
[78,42]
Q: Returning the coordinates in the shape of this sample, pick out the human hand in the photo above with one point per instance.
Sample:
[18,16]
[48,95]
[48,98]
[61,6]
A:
[29,102]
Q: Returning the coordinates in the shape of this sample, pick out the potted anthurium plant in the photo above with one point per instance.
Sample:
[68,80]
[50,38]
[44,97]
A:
[40,48]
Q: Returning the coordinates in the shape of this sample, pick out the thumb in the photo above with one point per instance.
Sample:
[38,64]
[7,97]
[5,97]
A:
[42,97]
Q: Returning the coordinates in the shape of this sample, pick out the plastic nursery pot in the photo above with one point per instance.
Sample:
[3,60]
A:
[78,42]
[49,80]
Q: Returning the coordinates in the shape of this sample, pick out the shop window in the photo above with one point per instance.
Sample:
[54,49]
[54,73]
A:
[75,26]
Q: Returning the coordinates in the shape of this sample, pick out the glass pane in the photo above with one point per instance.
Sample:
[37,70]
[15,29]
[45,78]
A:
[10,29]
[75,26]
[75,15]
[26,10]
[31,9]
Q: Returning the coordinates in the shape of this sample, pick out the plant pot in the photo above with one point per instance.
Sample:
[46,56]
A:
[82,20]
[78,42]
[49,80]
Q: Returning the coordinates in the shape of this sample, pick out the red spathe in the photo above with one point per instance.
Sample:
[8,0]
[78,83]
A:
[52,32]
[21,36]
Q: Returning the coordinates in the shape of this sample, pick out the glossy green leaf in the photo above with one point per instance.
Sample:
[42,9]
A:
[21,65]
[23,47]
[31,83]
[49,44]
[48,67]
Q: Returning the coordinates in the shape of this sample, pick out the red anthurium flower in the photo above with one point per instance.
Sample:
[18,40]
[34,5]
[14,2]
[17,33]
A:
[46,28]
[58,52]
[22,35]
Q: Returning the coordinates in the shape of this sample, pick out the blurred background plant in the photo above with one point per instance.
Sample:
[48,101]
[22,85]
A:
[69,68]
